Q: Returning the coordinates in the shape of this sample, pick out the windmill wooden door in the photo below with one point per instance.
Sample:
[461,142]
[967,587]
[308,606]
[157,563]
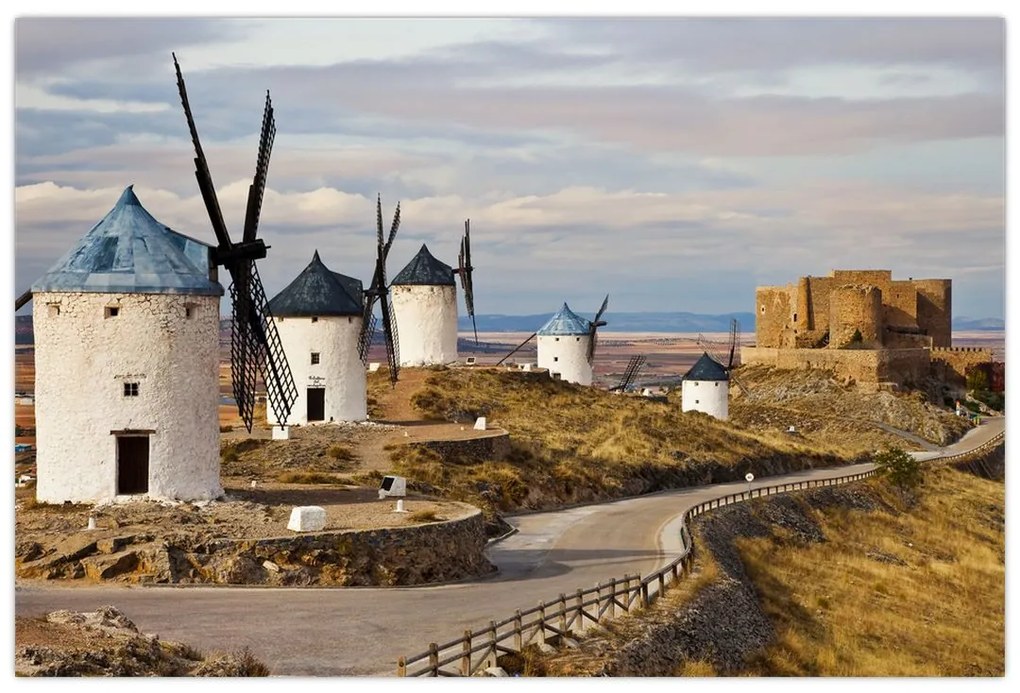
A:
[132,465]
[316,403]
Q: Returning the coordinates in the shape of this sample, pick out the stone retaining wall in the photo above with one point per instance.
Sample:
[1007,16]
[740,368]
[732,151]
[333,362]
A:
[416,555]
[493,447]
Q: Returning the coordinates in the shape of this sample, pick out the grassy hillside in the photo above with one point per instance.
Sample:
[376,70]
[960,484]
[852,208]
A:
[861,580]
[574,444]
[911,591]
[820,408]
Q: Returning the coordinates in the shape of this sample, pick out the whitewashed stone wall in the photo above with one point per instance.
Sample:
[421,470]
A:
[426,324]
[709,396]
[566,355]
[340,370]
[83,359]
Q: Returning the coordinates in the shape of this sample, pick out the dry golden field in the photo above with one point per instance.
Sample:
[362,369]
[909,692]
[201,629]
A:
[934,605]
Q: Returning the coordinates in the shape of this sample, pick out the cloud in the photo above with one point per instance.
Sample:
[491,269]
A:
[771,44]
[675,163]
[55,45]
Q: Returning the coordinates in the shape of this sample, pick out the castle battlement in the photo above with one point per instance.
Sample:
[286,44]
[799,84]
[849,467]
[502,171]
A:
[855,308]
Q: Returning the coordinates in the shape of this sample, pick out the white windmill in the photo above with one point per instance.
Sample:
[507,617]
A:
[127,349]
[567,344]
[424,298]
[319,318]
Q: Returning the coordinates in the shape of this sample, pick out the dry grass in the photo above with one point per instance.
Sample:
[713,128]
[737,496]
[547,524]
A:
[822,409]
[341,453]
[301,477]
[576,444]
[928,601]
[423,516]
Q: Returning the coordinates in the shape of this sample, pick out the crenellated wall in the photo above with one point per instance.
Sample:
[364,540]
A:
[800,315]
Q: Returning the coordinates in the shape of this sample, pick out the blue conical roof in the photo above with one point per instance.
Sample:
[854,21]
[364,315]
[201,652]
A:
[707,368]
[318,291]
[424,269]
[129,251]
[566,322]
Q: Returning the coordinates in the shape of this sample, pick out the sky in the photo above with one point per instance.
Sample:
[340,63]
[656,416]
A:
[673,163]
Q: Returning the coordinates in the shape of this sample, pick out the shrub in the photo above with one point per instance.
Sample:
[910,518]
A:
[340,453]
[306,478]
[424,516]
[899,467]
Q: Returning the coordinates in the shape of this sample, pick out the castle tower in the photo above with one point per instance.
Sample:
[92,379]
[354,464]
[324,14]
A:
[318,317]
[855,309]
[706,388]
[127,365]
[563,346]
[424,300]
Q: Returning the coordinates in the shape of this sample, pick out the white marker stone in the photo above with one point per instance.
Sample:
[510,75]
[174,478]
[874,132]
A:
[480,424]
[281,432]
[307,518]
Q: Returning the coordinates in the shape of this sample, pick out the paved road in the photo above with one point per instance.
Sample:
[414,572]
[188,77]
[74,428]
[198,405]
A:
[343,631]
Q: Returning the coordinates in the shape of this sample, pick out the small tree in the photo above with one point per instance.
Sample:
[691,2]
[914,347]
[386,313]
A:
[977,380]
[900,467]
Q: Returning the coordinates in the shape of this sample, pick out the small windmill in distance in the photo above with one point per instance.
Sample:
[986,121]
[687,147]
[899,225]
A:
[255,345]
[714,349]
[424,296]
[567,344]
[379,291]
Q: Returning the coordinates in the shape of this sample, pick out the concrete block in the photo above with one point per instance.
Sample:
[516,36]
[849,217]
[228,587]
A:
[307,518]
[281,432]
[373,367]
[480,424]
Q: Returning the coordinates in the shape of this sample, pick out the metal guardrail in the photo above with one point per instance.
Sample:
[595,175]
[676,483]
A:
[478,650]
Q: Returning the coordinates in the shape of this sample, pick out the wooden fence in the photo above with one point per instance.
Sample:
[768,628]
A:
[558,618]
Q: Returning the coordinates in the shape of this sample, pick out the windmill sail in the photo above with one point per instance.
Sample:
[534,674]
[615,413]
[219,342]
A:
[255,345]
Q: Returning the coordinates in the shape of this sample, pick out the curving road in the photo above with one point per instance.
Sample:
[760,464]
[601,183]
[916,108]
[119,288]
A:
[346,631]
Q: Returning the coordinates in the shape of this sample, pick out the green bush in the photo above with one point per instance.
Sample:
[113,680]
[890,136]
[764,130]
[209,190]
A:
[899,467]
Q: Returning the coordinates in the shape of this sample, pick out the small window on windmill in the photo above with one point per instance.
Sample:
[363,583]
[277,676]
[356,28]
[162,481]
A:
[189,310]
[130,389]
[111,311]
[556,339]
[577,339]
[315,358]
[763,310]
[695,383]
[556,358]
[53,309]
[697,401]
[315,318]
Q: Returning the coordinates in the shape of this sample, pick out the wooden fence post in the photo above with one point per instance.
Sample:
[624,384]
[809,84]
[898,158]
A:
[563,612]
[465,657]
[580,611]
[644,594]
[612,598]
[401,667]
[493,654]
[518,632]
[433,659]
[541,622]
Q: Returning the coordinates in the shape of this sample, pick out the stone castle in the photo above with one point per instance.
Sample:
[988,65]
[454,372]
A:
[865,326]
